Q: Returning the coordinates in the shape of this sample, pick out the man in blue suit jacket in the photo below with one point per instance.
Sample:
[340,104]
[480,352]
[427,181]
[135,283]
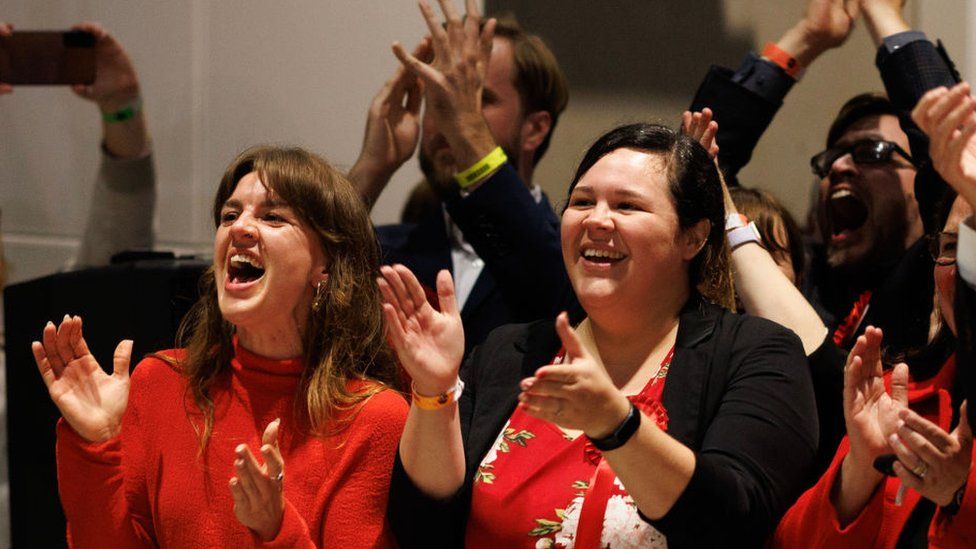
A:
[498,236]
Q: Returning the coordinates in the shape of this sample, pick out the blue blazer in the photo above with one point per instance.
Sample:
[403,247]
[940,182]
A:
[518,238]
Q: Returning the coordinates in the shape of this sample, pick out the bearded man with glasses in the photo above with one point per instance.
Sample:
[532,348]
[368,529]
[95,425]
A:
[877,193]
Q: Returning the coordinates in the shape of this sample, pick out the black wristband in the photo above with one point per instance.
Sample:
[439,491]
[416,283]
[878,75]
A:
[956,502]
[621,434]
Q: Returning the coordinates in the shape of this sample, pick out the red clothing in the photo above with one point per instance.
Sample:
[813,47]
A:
[533,486]
[812,521]
[152,487]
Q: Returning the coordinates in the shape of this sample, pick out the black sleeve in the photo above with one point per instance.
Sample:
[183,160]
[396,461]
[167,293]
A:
[965,311]
[742,115]
[827,373]
[909,72]
[518,239]
[757,450]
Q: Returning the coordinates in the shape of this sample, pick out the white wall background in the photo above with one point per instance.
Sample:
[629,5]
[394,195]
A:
[219,76]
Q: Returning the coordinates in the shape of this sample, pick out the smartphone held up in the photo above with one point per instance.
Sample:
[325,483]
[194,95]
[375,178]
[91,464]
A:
[46,58]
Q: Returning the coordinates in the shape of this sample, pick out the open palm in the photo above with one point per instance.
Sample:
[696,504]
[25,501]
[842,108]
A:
[870,412]
[90,400]
[429,343]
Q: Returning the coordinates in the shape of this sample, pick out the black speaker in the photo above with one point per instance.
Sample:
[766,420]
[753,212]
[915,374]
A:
[141,300]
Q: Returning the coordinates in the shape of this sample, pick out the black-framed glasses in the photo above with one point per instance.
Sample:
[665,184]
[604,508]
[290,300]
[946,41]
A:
[867,151]
[942,247]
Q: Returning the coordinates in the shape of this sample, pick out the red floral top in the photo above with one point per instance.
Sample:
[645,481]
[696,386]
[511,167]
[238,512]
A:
[536,483]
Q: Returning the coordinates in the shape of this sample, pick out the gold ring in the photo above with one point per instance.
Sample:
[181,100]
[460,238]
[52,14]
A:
[920,470]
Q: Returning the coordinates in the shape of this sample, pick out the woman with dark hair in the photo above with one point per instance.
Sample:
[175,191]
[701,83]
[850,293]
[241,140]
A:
[284,352]
[659,410]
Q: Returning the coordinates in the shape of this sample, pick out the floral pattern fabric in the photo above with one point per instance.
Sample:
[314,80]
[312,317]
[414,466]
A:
[530,488]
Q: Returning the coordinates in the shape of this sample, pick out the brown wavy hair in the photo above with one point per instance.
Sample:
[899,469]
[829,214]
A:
[344,340]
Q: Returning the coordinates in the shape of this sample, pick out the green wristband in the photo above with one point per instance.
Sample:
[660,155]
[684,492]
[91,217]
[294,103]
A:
[127,112]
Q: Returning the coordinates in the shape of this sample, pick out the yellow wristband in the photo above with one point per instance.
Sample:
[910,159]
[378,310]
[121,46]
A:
[437,402]
[481,169]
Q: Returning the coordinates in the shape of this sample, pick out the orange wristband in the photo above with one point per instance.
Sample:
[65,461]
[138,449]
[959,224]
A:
[783,60]
[437,402]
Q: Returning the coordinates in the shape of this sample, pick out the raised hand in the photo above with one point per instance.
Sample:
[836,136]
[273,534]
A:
[884,18]
[577,394]
[5,30]
[392,129]
[116,85]
[949,118]
[90,400]
[825,25]
[429,343]
[454,81]
[700,127]
[930,461]
[871,414]
[258,490]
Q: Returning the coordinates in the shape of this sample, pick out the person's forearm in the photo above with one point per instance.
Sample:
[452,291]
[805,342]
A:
[883,20]
[432,451]
[766,292]
[654,467]
[369,182]
[853,489]
[126,139]
[798,43]
[469,138]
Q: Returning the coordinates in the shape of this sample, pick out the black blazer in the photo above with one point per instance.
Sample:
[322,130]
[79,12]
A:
[518,239]
[738,393]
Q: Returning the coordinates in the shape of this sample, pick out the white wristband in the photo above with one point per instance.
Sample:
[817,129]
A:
[743,235]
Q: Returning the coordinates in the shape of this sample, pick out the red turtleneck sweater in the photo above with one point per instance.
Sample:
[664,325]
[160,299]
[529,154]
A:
[151,486]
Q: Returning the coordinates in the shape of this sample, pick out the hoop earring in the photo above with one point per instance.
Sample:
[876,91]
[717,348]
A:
[318,301]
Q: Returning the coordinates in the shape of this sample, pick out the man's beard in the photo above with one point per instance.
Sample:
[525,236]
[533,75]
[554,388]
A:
[886,248]
[441,178]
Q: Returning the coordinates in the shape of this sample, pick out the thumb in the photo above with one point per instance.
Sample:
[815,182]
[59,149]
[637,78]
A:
[120,360]
[963,431]
[574,349]
[899,384]
[270,436]
[446,298]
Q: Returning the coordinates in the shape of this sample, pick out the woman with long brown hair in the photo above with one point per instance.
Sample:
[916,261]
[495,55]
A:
[283,352]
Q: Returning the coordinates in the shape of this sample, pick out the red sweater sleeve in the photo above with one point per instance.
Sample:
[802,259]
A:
[812,521]
[93,492]
[354,513]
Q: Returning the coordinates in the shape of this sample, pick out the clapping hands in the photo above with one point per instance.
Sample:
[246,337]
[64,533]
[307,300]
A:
[429,343]
[577,394]
[90,400]
[258,490]
[948,116]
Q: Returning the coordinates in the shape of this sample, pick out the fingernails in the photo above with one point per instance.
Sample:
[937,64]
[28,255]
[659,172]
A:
[240,448]
[238,463]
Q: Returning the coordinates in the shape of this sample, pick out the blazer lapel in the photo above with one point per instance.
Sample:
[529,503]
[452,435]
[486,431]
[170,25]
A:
[686,389]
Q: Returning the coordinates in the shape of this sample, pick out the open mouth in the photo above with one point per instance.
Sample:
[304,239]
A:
[606,257]
[242,269]
[845,211]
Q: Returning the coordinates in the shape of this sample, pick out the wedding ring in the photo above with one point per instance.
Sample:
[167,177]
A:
[920,470]
[280,477]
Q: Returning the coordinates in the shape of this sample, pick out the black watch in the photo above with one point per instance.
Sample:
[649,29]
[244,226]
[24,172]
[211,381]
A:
[621,434]
[956,502]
